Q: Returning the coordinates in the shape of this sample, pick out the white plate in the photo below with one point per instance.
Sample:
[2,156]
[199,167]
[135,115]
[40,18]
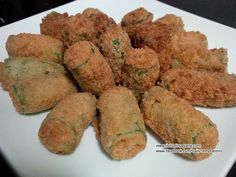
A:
[19,141]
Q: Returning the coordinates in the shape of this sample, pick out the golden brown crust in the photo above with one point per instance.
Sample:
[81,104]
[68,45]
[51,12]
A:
[26,67]
[121,125]
[177,122]
[89,67]
[134,18]
[158,37]
[57,137]
[140,71]
[202,88]
[178,48]
[101,22]
[113,44]
[63,127]
[171,19]
[35,45]
[78,28]
[37,94]
[53,23]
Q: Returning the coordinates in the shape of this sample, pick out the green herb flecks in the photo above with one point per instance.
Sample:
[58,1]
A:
[19,94]
[176,63]
[116,42]
[78,69]
[135,129]
[194,138]
[92,49]
[58,56]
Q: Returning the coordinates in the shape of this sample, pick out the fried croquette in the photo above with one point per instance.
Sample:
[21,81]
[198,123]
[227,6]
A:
[158,37]
[177,122]
[33,95]
[122,130]
[23,68]
[62,129]
[134,18]
[53,23]
[89,67]
[140,71]
[1,71]
[78,28]
[113,44]
[171,19]
[208,89]
[101,22]
[34,45]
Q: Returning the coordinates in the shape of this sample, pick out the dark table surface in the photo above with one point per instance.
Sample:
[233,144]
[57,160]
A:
[222,11]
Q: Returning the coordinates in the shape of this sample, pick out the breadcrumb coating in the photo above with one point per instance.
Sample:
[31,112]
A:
[62,129]
[177,122]
[53,23]
[208,89]
[122,130]
[113,44]
[140,71]
[35,45]
[89,67]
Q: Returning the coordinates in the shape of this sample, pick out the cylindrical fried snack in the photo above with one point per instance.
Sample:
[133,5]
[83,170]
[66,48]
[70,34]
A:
[89,67]
[53,23]
[78,28]
[134,18]
[202,88]
[158,37]
[101,22]
[140,71]
[177,122]
[23,68]
[122,130]
[113,44]
[37,94]
[63,127]
[35,45]
[171,19]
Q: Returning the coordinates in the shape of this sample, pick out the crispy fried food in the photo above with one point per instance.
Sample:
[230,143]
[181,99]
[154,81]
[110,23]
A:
[24,68]
[1,71]
[178,48]
[202,88]
[214,60]
[134,18]
[177,122]
[190,50]
[113,44]
[140,71]
[78,28]
[100,20]
[35,45]
[122,130]
[158,37]
[62,129]
[32,95]
[53,23]
[89,67]
[171,19]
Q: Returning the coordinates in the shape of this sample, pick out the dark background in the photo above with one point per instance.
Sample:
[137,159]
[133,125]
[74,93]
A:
[222,11]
